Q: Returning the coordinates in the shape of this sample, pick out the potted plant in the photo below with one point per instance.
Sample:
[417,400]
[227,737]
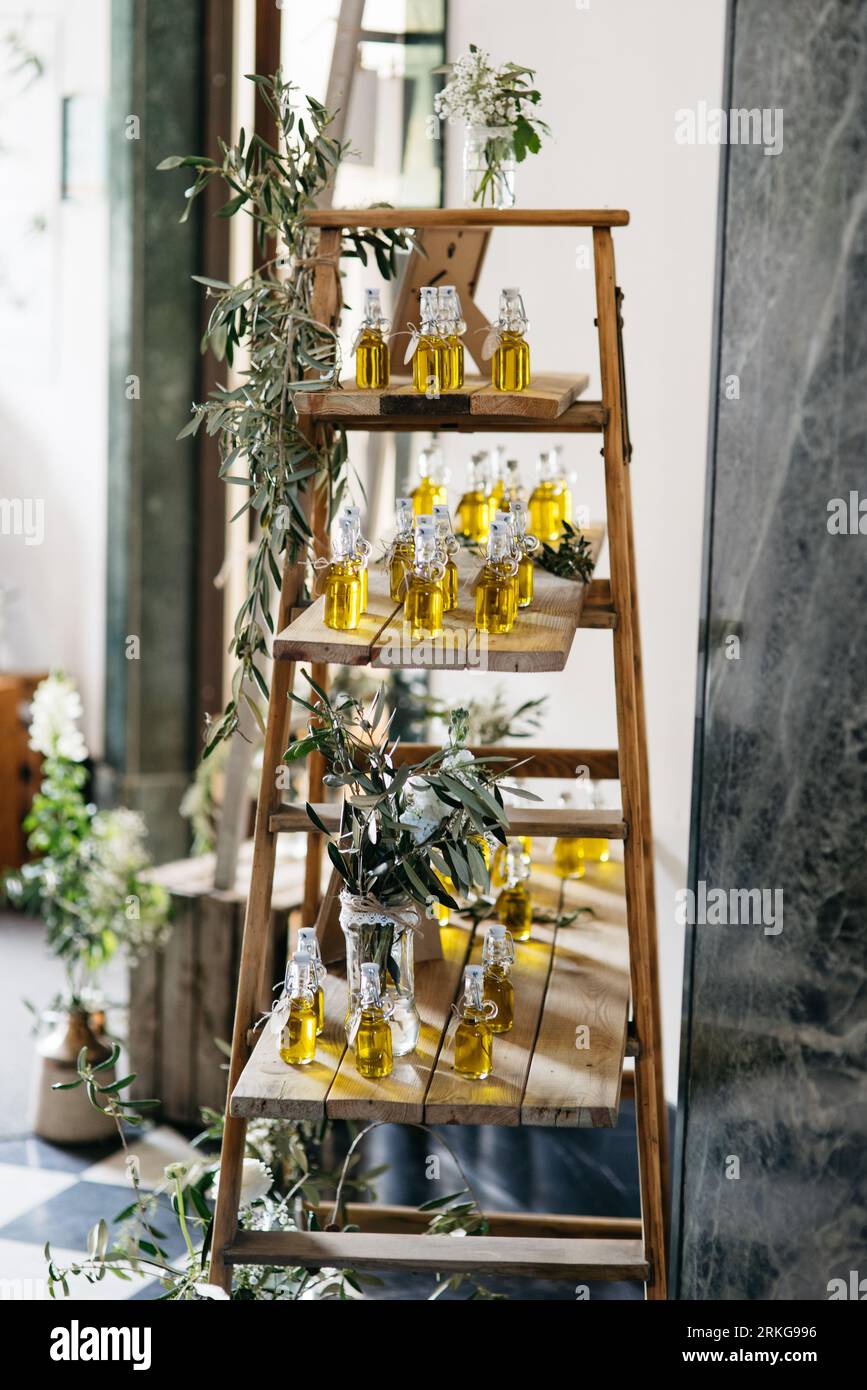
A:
[496,105]
[86,884]
[410,837]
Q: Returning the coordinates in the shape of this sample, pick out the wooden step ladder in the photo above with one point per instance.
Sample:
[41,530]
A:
[577,974]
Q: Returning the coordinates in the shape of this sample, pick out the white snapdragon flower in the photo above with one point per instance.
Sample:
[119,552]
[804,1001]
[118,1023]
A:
[256,1182]
[55,712]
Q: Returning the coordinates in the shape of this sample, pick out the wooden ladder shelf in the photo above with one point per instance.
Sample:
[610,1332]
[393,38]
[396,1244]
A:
[604,974]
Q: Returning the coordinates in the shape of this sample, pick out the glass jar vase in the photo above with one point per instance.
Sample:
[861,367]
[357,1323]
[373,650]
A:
[384,935]
[489,167]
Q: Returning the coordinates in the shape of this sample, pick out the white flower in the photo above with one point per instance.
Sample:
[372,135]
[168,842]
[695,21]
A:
[211,1291]
[54,716]
[326,1281]
[256,1182]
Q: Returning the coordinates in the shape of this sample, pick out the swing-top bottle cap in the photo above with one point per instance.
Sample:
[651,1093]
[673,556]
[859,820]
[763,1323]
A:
[496,931]
[306,939]
[474,974]
[370,970]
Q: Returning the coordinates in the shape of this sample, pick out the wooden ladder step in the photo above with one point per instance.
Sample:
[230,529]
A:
[560,821]
[544,1072]
[540,1257]
[544,400]
[541,639]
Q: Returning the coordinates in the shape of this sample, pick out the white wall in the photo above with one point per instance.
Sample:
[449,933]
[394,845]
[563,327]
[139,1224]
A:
[53,349]
[612,76]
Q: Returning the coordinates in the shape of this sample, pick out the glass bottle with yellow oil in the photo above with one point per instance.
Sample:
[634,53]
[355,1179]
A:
[496,591]
[423,606]
[514,905]
[506,519]
[474,1039]
[370,1030]
[448,549]
[498,957]
[515,490]
[453,327]
[298,1036]
[510,365]
[428,346]
[498,867]
[558,472]
[474,513]
[343,581]
[546,501]
[526,547]
[361,549]
[308,945]
[401,552]
[572,853]
[430,490]
[371,349]
[497,474]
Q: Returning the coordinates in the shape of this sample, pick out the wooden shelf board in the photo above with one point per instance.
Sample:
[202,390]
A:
[582,417]
[468,217]
[541,639]
[541,820]
[545,399]
[565,978]
[545,1257]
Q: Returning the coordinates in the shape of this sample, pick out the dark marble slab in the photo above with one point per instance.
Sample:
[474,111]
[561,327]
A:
[774,1056]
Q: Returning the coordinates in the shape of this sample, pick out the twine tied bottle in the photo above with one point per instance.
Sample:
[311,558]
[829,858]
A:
[371,349]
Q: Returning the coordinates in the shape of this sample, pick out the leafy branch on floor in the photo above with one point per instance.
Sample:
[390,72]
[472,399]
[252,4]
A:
[573,557]
[266,320]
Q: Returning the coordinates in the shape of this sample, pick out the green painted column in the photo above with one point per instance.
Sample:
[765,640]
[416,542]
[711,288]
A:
[151,742]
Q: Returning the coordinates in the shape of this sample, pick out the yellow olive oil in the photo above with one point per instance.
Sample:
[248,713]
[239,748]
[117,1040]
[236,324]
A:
[374,1051]
[474,1040]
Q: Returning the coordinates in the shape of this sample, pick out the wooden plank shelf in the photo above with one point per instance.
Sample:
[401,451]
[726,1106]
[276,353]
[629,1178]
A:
[606,1258]
[582,417]
[541,639]
[565,979]
[544,400]
[543,820]
[338,218]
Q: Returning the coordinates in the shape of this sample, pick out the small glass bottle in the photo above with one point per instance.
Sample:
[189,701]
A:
[506,519]
[448,548]
[526,546]
[308,944]
[371,349]
[496,477]
[423,606]
[496,591]
[374,1054]
[474,1040]
[514,905]
[430,490]
[343,582]
[474,513]
[430,358]
[510,366]
[298,1037]
[498,868]
[361,549]
[515,490]
[558,473]
[572,853]
[454,327]
[498,955]
[402,551]
[545,500]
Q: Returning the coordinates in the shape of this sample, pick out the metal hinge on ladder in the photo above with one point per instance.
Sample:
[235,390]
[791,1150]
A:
[621,367]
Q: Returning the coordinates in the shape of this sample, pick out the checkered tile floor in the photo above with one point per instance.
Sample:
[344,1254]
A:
[48,1193]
